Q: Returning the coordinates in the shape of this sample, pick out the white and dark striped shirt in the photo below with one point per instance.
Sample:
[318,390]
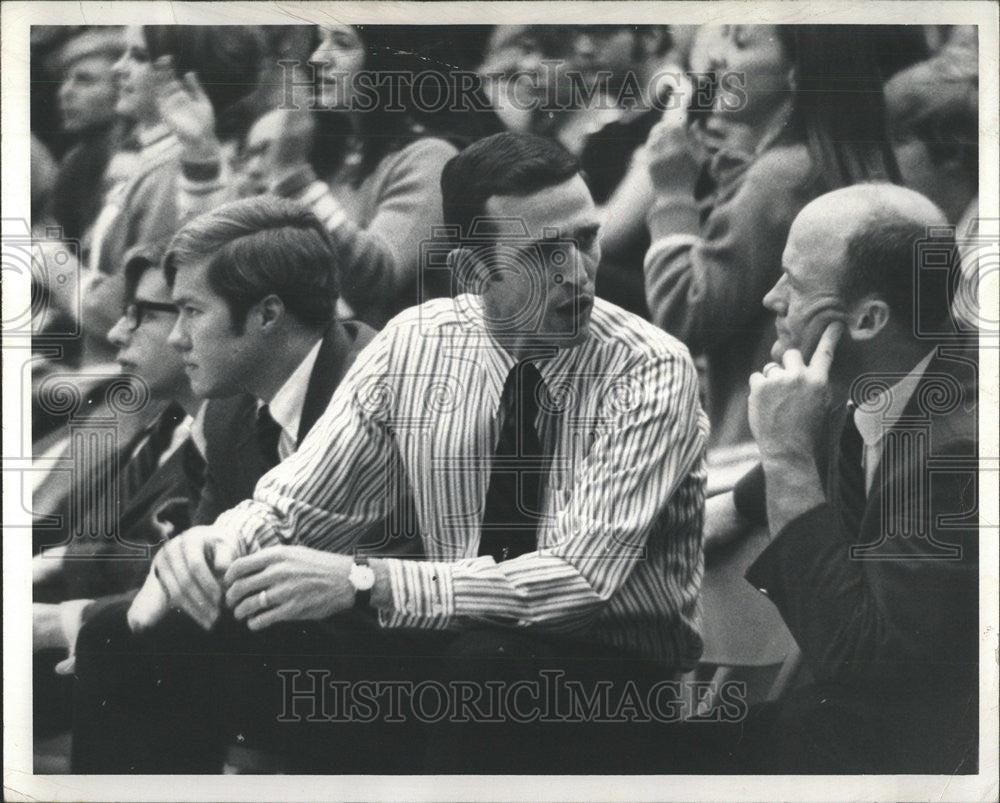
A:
[413,427]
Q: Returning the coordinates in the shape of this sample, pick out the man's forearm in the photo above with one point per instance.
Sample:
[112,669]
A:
[793,488]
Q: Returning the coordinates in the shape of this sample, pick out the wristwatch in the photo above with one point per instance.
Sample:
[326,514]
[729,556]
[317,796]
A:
[363,579]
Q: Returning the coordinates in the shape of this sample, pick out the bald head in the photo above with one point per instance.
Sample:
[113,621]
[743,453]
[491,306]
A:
[847,211]
[877,233]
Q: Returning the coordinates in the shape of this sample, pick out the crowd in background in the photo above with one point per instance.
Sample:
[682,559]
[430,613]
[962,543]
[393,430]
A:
[136,131]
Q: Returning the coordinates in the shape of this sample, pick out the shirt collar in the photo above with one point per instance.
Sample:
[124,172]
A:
[873,417]
[286,406]
[198,430]
[500,361]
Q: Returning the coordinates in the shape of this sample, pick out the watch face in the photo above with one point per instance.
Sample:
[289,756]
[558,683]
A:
[362,578]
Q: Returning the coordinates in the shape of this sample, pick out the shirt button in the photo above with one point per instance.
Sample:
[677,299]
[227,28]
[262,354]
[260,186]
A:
[765,592]
[523,623]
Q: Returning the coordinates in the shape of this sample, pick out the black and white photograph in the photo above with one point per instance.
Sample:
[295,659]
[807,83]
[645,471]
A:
[500,401]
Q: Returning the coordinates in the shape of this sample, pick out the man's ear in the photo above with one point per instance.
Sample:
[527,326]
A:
[271,310]
[868,318]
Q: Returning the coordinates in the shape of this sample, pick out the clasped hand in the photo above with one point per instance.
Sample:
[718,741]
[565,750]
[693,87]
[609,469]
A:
[197,573]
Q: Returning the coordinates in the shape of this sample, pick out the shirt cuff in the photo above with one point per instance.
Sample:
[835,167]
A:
[749,495]
[674,213]
[71,619]
[423,594]
[247,529]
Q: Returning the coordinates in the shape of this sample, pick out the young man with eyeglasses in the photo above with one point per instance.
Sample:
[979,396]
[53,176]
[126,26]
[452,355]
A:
[156,475]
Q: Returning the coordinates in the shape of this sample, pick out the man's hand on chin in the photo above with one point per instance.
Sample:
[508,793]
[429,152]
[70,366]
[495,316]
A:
[787,409]
[184,577]
[288,583]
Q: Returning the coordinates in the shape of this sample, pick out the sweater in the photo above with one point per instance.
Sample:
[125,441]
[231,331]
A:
[712,261]
[379,226]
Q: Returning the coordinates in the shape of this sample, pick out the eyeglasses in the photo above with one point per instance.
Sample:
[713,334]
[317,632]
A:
[135,311]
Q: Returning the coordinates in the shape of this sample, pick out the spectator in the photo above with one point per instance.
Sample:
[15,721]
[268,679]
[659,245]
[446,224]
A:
[616,163]
[717,243]
[177,159]
[87,98]
[631,56]
[512,51]
[96,556]
[374,168]
[933,110]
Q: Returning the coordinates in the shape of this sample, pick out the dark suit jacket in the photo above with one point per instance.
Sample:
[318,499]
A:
[233,456]
[103,564]
[93,569]
[233,459]
[886,597]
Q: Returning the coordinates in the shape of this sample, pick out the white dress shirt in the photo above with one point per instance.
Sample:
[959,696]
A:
[619,559]
[877,415]
[286,406]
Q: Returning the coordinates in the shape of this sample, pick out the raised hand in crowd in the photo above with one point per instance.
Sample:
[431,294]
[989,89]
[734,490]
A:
[187,110]
[667,153]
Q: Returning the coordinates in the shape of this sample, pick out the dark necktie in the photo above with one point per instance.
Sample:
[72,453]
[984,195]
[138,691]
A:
[193,466]
[143,465]
[268,435]
[513,499]
[850,470]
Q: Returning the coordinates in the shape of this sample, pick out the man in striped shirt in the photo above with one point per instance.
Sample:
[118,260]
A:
[590,561]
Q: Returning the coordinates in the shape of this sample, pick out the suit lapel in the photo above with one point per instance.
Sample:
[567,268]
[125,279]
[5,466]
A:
[341,344]
[921,405]
[908,446]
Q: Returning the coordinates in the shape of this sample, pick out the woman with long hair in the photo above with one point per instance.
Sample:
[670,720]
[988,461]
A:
[798,112]
[367,156]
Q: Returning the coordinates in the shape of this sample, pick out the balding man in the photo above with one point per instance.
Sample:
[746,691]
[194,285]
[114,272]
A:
[874,553]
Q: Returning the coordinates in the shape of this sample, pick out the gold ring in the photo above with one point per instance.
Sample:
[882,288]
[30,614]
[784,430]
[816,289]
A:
[768,368]
[263,600]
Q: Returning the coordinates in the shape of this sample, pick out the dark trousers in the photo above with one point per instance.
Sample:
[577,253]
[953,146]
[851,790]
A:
[834,729]
[345,696]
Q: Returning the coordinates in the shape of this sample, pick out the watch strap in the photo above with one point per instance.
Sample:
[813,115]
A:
[362,598]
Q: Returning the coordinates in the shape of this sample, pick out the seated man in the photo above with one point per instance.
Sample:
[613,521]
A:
[102,549]
[258,336]
[253,341]
[873,563]
[552,448]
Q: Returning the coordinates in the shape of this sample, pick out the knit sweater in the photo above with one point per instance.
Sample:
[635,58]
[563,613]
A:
[379,226]
[712,261]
